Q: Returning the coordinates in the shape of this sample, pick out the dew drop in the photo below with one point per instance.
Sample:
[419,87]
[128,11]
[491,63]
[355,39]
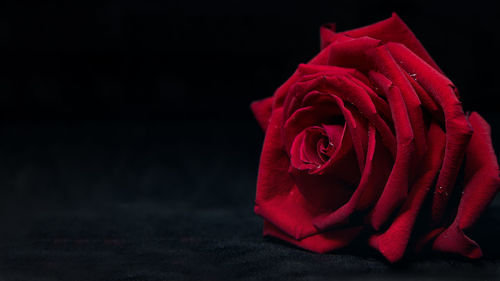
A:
[440,190]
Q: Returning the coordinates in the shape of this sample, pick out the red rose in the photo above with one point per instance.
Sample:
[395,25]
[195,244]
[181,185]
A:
[360,137]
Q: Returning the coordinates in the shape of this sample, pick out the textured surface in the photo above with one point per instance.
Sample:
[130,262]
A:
[126,201]
[148,241]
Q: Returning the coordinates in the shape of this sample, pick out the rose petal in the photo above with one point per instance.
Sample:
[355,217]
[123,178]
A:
[424,239]
[357,125]
[482,184]
[300,158]
[349,91]
[322,192]
[387,66]
[329,185]
[458,130]
[396,188]
[278,198]
[327,34]
[380,104]
[377,168]
[306,117]
[427,101]
[454,240]
[309,149]
[392,243]
[358,129]
[282,92]
[307,82]
[347,52]
[480,159]
[393,29]
[262,111]
[319,243]
[343,161]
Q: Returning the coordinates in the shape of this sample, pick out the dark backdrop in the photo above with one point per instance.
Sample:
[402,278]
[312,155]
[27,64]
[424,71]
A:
[128,150]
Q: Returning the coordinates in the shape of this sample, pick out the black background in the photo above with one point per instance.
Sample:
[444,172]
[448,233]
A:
[128,150]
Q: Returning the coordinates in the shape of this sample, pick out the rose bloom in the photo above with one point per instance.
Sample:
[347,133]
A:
[364,139]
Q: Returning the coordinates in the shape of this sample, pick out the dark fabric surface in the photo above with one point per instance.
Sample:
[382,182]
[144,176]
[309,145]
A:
[151,241]
[166,200]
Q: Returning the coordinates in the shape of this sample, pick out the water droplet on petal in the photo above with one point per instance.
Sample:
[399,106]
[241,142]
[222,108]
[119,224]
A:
[440,190]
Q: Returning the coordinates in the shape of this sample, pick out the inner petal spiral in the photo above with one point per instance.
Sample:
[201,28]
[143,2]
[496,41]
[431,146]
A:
[315,146]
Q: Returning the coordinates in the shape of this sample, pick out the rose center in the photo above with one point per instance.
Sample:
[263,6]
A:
[315,146]
[325,148]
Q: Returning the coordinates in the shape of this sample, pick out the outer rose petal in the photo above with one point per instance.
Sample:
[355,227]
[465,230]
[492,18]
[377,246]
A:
[320,243]
[458,130]
[392,29]
[311,82]
[262,111]
[327,34]
[386,65]
[395,191]
[482,183]
[278,198]
[350,53]
[392,243]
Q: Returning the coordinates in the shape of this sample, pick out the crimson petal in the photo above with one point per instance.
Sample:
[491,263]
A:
[482,184]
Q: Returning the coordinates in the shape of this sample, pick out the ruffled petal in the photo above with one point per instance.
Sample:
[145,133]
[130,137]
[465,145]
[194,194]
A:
[395,191]
[458,130]
[393,242]
[393,29]
[356,124]
[306,117]
[482,184]
[386,65]
[350,92]
[346,52]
